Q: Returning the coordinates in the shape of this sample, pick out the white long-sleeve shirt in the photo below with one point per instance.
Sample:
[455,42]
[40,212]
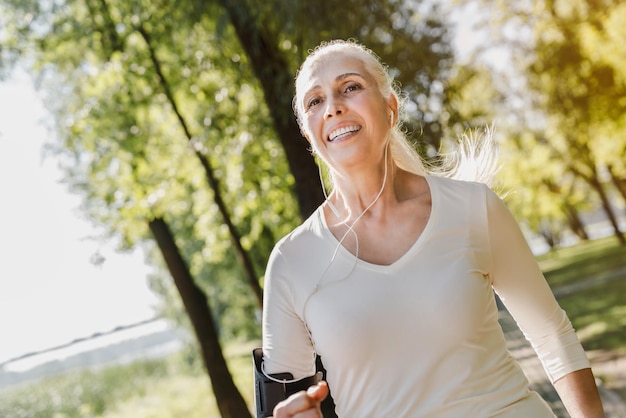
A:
[419,337]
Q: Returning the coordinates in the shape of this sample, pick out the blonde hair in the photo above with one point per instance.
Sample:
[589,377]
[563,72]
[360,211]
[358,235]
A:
[474,159]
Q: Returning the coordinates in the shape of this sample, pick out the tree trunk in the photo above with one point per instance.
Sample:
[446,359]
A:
[550,236]
[592,179]
[271,67]
[549,239]
[571,213]
[619,183]
[575,224]
[229,400]
[595,184]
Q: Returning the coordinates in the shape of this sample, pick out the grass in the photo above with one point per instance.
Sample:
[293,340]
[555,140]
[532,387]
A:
[168,388]
[185,394]
[598,312]
[599,315]
[179,395]
[79,394]
[585,260]
[164,388]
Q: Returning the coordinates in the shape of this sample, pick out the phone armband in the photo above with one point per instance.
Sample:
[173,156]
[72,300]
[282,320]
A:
[268,393]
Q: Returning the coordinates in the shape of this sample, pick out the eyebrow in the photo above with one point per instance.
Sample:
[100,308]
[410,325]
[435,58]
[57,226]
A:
[338,78]
[346,75]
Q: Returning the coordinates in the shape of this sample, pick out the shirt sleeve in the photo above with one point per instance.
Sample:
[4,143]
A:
[520,284]
[287,346]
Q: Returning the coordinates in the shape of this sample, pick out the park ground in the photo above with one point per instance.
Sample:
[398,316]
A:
[589,281]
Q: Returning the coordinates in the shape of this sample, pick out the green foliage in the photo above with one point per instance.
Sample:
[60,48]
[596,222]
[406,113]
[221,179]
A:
[126,151]
[167,388]
[80,394]
[540,187]
[562,121]
[413,39]
[583,90]
[581,93]
[130,81]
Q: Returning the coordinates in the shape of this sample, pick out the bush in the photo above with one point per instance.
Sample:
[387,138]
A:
[79,394]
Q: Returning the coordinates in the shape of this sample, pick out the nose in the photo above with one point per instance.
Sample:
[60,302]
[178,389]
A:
[334,107]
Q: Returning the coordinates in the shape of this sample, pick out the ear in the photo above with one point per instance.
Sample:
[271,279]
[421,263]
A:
[306,136]
[393,106]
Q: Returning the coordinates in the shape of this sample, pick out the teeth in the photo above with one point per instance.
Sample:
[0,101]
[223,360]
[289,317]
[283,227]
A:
[342,131]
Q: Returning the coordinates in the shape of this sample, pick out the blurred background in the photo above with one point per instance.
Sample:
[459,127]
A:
[150,159]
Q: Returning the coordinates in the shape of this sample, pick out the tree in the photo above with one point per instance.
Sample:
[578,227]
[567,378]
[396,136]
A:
[116,136]
[410,37]
[231,403]
[546,197]
[582,92]
[135,84]
[213,182]
[573,87]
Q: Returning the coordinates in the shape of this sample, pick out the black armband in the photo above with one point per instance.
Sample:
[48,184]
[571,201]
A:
[268,392]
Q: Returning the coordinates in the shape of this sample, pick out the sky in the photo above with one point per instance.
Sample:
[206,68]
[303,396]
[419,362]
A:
[50,292]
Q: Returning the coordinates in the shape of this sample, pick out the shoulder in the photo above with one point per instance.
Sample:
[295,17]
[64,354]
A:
[463,203]
[452,189]
[300,241]
[308,230]
[293,266]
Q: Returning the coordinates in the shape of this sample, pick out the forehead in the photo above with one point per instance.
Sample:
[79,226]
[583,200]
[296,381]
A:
[325,70]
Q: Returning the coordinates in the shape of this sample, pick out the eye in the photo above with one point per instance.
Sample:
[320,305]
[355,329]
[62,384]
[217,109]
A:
[352,87]
[313,102]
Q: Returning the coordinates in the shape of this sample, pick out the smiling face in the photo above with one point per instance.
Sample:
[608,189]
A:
[343,113]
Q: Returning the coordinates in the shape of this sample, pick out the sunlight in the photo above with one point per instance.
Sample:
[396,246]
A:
[50,290]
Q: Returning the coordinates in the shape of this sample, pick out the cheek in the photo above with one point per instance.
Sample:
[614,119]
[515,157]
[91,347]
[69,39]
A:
[312,128]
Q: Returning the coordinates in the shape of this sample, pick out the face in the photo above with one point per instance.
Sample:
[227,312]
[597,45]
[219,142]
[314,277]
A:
[346,119]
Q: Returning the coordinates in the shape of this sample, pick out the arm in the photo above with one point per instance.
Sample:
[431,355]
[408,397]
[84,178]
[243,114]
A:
[519,282]
[579,394]
[287,346]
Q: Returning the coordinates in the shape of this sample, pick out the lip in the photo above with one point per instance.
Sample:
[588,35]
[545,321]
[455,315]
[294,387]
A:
[347,127]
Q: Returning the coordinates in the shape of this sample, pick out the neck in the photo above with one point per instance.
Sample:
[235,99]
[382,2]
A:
[357,191]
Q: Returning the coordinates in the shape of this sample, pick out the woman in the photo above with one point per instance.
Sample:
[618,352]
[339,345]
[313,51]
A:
[391,280]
